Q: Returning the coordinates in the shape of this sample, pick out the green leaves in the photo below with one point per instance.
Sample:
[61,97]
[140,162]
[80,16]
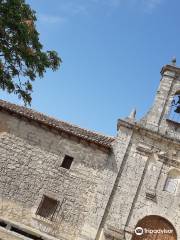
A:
[22,58]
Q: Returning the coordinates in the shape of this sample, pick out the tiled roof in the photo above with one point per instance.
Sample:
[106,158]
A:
[90,136]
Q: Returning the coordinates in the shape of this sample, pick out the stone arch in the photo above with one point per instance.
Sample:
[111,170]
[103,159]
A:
[154,228]
[174,172]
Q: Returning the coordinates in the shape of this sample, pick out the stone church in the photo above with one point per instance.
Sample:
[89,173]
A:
[61,182]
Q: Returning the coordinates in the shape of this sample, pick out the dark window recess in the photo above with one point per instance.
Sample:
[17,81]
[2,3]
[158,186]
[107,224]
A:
[3,224]
[174,113]
[47,208]
[29,235]
[67,161]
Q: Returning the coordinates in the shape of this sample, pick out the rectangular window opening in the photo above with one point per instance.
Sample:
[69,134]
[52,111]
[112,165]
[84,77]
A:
[47,208]
[67,161]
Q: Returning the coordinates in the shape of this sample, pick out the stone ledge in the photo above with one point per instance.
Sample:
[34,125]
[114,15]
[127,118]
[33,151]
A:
[27,229]
[151,195]
[111,231]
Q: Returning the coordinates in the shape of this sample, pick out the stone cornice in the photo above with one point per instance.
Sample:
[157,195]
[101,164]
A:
[171,69]
[161,156]
[137,127]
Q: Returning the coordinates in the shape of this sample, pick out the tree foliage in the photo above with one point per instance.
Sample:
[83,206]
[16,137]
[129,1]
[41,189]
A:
[22,58]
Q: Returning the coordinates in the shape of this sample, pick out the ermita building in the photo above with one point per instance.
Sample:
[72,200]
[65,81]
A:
[61,182]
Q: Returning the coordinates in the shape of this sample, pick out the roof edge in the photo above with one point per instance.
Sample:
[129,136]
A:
[51,122]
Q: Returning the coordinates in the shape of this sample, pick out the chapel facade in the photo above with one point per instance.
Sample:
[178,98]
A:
[62,182]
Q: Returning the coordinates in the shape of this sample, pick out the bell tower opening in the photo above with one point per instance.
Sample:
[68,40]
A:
[174,113]
[165,110]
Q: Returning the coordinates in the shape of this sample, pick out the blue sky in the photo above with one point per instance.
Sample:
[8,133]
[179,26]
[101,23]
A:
[112,52]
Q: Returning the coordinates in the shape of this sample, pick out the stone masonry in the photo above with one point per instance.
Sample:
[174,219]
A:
[112,186]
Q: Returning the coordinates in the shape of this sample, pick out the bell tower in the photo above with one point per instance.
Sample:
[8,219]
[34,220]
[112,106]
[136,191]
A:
[164,115]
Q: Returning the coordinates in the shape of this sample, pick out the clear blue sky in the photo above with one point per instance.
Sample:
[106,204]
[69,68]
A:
[112,52]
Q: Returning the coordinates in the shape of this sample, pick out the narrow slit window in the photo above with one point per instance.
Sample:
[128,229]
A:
[47,208]
[67,161]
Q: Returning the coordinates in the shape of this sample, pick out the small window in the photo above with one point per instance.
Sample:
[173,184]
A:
[47,208]
[67,161]
[172,181]
[171,185]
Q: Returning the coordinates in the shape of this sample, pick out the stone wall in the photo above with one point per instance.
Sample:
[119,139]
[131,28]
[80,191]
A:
[30,159]
[139,191]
